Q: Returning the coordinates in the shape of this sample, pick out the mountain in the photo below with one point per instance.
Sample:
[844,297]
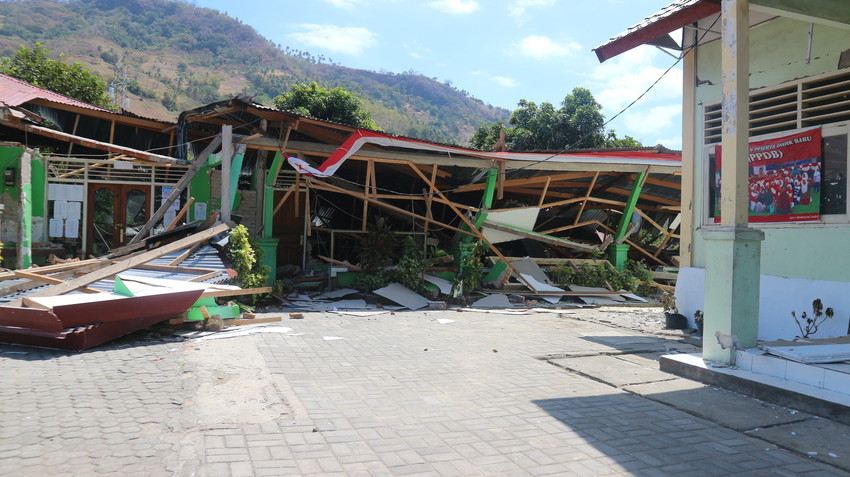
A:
[167,56]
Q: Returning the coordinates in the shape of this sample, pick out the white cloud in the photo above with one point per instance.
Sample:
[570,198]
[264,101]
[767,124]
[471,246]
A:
[623,79]
[654,120]
[504,81]
[455,7]
[518,8]
[656,117]
[416,50]
[346,4]
[348,40]
[542,47]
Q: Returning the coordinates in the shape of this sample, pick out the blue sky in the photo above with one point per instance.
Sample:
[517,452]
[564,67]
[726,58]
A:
[499,51]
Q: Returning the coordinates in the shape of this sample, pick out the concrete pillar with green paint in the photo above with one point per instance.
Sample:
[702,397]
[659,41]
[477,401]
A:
[618,252]
[268,243]
[733,250]
[486,204]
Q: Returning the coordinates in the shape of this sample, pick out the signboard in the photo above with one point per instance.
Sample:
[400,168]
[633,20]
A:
[784,178]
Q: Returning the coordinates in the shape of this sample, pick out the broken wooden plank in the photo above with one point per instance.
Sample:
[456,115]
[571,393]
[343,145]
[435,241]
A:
[252,321]
[131,262]
[213,293]
[199,162]
[175,268]
[353,268]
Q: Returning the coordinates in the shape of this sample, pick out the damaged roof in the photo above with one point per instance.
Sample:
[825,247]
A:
[656,28]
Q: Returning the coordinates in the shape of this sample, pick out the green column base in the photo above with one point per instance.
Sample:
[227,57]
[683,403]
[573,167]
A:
[732,280]
[269,248]
[618,253]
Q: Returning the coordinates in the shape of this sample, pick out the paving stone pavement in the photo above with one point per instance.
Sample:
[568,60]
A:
[393,394]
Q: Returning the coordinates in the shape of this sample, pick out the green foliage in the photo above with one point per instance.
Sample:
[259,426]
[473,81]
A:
[411,267]
[576,124]
[611,140]
[378,247]
[338,105]
[603,276]
[470,268]
[367,282]
[34,66]
[245,256]
[641,273]
[809,324]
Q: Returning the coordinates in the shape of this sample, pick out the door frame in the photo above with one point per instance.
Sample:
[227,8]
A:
[120,191]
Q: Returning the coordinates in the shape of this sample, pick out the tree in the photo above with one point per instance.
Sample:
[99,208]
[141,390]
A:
[611,140]
[34,66]
[577,124]
[338,105]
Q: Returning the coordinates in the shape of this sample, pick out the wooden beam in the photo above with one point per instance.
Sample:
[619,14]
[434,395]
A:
[586,197]
[206,276]
[471,226]
[531,180]
[659,182]
[279,204]
[199,162]
[131,262]
[543,193]
[175,268]
[333,188]
[244,291]
[183,256]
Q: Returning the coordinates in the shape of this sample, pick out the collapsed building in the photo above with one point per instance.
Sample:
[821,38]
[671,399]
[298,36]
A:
[82,182]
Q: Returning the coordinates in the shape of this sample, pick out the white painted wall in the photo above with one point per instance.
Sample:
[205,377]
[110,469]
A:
[778,297]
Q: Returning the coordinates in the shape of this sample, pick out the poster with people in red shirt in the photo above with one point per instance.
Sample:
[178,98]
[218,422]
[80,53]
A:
[784,178]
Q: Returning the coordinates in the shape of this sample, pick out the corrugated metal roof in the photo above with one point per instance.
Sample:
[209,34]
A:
[205,257]
[673,16]
[15,92]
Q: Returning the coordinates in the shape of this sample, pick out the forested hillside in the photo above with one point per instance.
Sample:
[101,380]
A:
[170,56]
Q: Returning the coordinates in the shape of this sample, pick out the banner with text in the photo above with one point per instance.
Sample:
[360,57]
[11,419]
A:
[784,178]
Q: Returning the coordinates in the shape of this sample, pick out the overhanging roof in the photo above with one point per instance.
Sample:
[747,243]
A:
[658,26]
[15,92]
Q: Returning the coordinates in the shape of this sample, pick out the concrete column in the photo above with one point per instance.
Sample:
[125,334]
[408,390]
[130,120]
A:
[25,228]
[226,152]
[733,250]
[689,147]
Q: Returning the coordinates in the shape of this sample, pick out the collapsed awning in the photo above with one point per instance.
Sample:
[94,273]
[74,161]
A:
[656,28]
[362,137]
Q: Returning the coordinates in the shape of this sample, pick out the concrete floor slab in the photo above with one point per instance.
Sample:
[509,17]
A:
[727,408]
[821,439]
[613,370]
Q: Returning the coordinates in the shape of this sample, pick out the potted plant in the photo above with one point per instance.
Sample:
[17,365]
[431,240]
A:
[673,319]
[698,319]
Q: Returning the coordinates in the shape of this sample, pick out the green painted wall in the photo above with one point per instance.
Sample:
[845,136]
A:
[9,157]
[778,55]
[199,188]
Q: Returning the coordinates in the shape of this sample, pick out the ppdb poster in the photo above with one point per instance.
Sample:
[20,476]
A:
[784,178]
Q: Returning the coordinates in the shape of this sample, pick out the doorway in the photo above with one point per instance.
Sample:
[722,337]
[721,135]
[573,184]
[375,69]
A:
[116,212]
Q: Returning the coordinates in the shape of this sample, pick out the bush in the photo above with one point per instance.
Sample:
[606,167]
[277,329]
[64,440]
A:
[245,258]
[368,282]
[603,276]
